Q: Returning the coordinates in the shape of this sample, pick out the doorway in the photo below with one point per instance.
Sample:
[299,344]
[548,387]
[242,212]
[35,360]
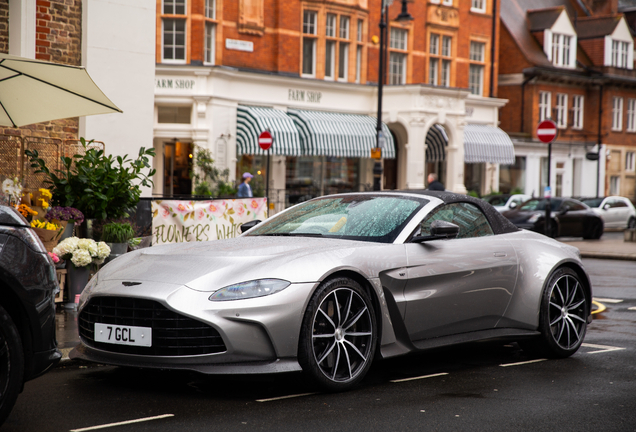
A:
[177,168]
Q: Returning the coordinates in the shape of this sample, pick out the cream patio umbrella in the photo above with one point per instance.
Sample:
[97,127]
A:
[33,91]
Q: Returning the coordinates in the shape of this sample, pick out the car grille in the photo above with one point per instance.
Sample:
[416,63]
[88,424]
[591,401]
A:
[172,334]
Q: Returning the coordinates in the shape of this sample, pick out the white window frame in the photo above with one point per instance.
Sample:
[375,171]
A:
[577,111]
[617,113]
[478,6]
[446,73]
[173,3]
[477,51]
[433,70]
[615,185]
[330,59]
[563,49]
[562,110]
[174,60]
[631,115]
[343,61]
[433,44]
[630,161]
[545,105]
[210,9]
[476,86]
[398,39]
[397,68]
[210,43]
[330,25]
[447,46]
[343,27]
[358,63]
[310,28]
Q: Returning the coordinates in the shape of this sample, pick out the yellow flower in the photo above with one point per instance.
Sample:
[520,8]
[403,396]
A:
[45,194]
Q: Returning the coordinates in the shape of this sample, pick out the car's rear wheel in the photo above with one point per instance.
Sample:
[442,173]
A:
[563,316]
[631,223]
[338,336]
[11,364]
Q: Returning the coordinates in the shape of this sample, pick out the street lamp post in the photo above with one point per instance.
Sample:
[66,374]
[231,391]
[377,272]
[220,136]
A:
[380,140]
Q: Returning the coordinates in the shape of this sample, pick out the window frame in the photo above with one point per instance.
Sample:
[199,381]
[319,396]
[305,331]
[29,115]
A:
[617,113]
[309,34]
[545,106]
[630,161]
[631,115]
[477,67]
[577,111]
[479,9]
[174,46]
[398,55]
[561,107]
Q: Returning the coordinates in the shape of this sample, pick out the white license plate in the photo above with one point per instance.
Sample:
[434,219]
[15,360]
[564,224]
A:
[123,335]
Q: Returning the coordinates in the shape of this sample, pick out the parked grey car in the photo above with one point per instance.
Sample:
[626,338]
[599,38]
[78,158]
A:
[331,284]
[28,283]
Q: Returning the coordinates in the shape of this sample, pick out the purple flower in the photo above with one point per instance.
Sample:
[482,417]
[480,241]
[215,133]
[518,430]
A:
[65,214]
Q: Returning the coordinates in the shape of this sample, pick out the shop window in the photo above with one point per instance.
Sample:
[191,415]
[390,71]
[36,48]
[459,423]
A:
[562,110]
[397,57]
[476,68]
[617,114]
[512,178]
[577,112]
[174,114]
[309,43]
[544,105]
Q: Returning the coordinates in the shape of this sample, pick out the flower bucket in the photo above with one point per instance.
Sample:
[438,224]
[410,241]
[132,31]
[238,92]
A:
[49,238]
[77,278]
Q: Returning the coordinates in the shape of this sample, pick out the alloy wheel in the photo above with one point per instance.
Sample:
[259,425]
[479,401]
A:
[342,334]
[567,312]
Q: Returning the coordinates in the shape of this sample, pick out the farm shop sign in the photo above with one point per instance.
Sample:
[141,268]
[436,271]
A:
[178,221]
[174,83]
[296,95]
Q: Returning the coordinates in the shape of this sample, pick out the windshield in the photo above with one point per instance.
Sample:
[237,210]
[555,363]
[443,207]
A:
[540,204]
[373,218]
[593,202]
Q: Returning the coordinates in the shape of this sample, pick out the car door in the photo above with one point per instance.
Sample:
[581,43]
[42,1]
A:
[572,221]
[458,285]
[609,212]
[622,213]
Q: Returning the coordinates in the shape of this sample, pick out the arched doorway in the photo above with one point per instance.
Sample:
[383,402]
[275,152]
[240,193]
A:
[436,142]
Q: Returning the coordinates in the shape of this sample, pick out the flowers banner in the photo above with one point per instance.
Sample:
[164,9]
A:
[176,221]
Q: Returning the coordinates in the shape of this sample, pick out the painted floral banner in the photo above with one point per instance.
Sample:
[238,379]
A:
[176,221]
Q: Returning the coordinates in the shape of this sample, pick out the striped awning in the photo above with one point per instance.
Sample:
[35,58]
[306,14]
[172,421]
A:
[487,144]
[251,121]
[339,135]
[436,142]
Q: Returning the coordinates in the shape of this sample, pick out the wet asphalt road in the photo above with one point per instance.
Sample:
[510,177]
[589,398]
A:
[469,390]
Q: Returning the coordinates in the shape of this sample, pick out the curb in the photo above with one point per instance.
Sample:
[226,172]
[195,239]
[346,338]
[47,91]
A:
[609,255]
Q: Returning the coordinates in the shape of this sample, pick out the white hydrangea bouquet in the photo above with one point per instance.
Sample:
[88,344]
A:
[81,251]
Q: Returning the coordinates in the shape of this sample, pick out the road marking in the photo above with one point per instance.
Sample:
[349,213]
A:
[285,397]
[602,348]
[123,423]
[419,377]
[632,308]
[606,300]
[600,307]
[522,363]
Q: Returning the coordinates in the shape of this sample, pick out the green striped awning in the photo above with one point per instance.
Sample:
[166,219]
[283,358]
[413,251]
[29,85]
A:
[339,135]
[251,121]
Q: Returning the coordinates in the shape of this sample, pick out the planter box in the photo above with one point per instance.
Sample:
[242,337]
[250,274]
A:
[629,235]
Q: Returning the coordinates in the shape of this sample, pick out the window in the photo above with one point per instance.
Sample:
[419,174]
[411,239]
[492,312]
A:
[174,37]
[309,43]
[476,71]
[337,35]
[446,65]
[433,71]
[544,105]
[471,221]
[615,185]
[446,46]
[629,161]
[562,111]
[174,114]
[434,45]
[359,48]
[577,112]
[330,46]
[440,60]
[617,113]
[174,7]
[562,49]
[343,51]
[210,31]
[478,6]
[631,115]
[397,59]
[210,9]
[620,54]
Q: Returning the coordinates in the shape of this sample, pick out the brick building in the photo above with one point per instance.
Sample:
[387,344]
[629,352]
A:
[226,69]
[572,62]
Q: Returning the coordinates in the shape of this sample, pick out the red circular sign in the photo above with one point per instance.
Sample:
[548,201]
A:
[265,140]
[547,131]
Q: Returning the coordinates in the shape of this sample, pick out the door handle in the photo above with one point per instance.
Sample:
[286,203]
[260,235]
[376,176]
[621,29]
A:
[500,254]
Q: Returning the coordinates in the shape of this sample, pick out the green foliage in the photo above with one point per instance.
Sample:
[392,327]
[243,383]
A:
[517,190]
[473,193]
[116,232]
[210,181]
[99,186]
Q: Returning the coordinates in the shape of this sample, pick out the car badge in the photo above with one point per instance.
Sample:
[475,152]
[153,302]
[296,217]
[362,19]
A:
[130,283]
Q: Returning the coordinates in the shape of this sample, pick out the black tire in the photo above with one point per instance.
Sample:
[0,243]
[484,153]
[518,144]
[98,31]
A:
[563,316]
[594,231]
[554,229]
[631,223]
[11,364]
[338,336]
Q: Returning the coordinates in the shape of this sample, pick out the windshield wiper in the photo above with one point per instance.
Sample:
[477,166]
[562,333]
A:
[292,234]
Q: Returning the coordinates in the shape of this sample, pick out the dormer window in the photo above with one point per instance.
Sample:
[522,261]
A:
[562,50]
[620,54]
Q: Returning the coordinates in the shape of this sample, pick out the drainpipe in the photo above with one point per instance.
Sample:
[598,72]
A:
[492,48]
[599,139]
[523,102]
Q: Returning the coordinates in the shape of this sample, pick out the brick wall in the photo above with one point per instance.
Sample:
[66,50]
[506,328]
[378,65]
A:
[58,39]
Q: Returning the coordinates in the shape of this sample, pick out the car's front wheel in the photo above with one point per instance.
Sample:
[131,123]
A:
[563,316]
[11,364]
[338,335]
[631,224]
[594,231]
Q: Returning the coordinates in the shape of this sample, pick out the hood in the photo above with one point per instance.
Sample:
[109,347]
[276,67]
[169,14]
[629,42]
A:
[208,266]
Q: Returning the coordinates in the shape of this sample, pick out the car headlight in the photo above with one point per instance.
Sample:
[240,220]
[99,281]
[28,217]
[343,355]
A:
[87,290]
[535,217]
[250,289]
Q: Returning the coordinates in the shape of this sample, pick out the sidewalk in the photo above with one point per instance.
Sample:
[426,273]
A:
[610,246]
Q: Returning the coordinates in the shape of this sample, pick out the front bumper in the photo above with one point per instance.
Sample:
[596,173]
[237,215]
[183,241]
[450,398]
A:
[260,334]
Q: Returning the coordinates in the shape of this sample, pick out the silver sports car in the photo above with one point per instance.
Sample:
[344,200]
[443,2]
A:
[331,284]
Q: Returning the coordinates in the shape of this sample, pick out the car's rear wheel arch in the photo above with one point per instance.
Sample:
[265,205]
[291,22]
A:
[12,304]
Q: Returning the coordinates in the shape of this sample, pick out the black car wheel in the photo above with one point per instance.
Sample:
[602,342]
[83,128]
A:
[563,316]
[631,224]
[339,335]
[11,364]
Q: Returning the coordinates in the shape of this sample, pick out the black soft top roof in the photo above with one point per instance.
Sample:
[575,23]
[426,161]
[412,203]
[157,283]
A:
[499,224]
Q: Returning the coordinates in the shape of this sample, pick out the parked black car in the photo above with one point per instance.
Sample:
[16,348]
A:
[28,283]
[569,218]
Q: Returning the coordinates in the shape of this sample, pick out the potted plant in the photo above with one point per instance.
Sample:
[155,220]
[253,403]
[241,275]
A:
[99,186]
[117,235]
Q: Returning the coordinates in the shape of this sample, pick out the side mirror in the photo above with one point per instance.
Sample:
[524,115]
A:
[606,207]
[564,210]
[439,230]
[248,225]
[512,205]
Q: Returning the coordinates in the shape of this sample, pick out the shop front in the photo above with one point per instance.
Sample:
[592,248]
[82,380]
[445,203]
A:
[323,133]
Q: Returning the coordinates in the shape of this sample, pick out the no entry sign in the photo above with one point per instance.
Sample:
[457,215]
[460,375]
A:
[547,131]
[265,140]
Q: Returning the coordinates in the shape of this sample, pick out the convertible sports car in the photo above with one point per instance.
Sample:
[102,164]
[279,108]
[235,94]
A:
[331,284]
